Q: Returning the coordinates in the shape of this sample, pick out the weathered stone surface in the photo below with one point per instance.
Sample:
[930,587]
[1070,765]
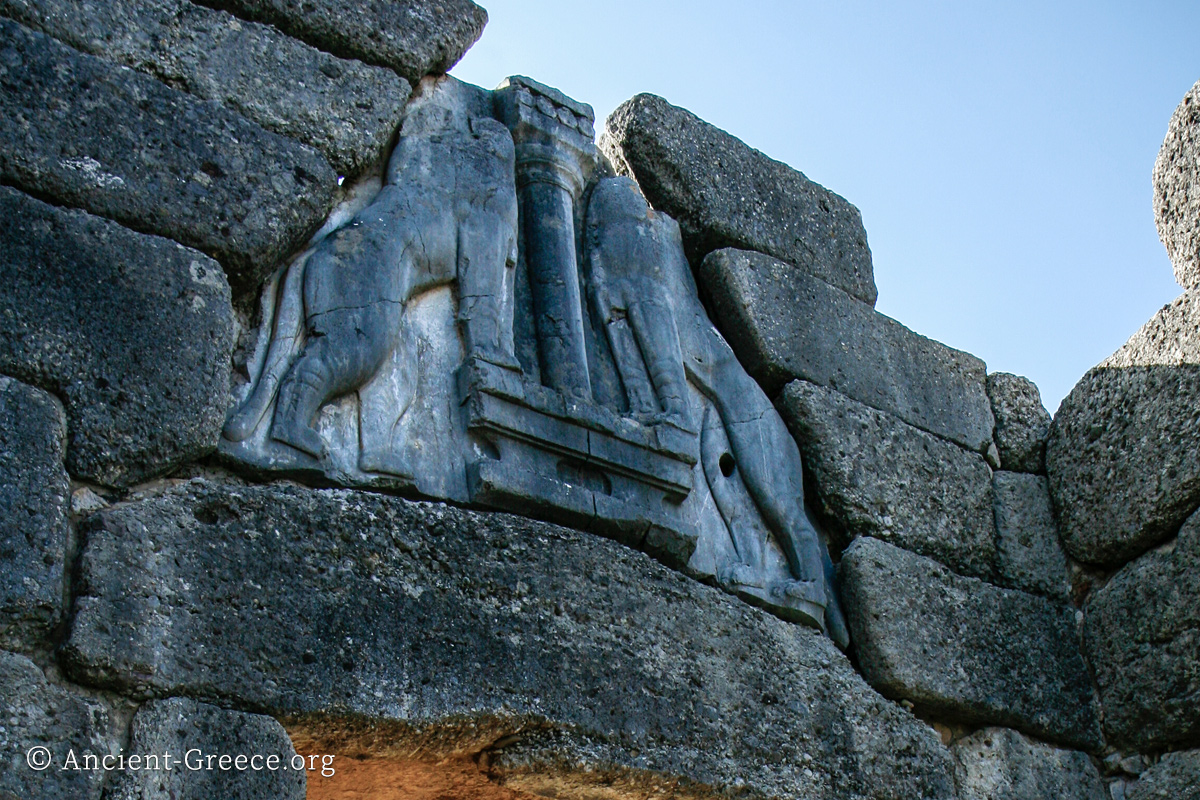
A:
[1142,635]
[344,321]
[1001,764]
[1022,422]
[413,37]
[724,193]
[877,476]
[132,332]
[34,499]
[179,725]
[463,628]
[1176,777]
[36,714]
[85,132]
[1123,456]
[1029,554]
[785,324]
[964,649]
[1177,190]
[1170,338]
[346,109]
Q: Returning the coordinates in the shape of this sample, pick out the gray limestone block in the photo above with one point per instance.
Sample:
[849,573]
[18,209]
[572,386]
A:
[436,620]
[1175,777]
[132,332]
[724,193]
[1177,190]
[180,725]
[39,720]
[1142,636]
[1030,556]
[1171,337]
[413,37]
[34,502]
[784,324]
[964,650]
[84,132]
[877,476]
[346,109]
[1001,764]
[1123,455]
[1022,422]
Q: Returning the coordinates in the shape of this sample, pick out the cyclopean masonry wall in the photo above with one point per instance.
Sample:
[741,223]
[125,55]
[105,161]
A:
[351,409]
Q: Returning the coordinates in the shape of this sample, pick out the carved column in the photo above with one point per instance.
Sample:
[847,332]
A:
[555,154]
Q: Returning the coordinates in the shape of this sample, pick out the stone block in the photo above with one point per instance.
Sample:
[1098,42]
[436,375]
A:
[724,193]
[37,714]
[132,332]
[34,501]
[454,630]
[1029,554]
[85,132]
[413,37]
[877,476]
[1022,422]
[1175,777]
[1170,338]
[346,109]
[1142,637]
[1001,764]
[1177,190]
[962,649]
[1123,455]
[179,725]
[785,324]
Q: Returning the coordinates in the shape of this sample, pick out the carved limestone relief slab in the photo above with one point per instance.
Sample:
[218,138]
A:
[500,322]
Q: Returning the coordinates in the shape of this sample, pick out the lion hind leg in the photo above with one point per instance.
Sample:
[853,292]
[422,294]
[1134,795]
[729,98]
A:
[305,389]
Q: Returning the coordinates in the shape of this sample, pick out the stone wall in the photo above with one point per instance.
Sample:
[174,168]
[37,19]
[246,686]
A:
[1010,603]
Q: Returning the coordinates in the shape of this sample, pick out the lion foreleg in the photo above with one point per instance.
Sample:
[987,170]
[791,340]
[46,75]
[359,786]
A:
[482,258]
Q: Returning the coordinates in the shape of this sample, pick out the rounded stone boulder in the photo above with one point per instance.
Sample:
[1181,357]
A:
[1177,190]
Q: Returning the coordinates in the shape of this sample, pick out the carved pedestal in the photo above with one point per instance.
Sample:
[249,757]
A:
[578,463]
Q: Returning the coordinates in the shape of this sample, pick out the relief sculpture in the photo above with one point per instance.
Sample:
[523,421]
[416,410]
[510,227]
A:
[663,339]
[446,212]
[450,338]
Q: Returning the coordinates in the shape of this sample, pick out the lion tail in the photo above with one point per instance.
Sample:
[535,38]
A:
[289,320]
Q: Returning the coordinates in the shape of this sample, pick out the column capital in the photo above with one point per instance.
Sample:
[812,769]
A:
[554,135]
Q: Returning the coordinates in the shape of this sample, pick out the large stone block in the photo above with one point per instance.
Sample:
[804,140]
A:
[132,332]
[1170,338]
[346,109]
[878,476]
[180,725]
[965,650]
[85,132]
[413,37]
[455,629]
[1177,190]
[1001,764]
[1142,635]
[1022,422]
[785,324]
[1029,554]
[45,724]
[724,193]
[34,502]
[1176,777]
[1123,456]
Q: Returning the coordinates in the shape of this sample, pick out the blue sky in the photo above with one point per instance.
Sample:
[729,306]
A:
[1000,153]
